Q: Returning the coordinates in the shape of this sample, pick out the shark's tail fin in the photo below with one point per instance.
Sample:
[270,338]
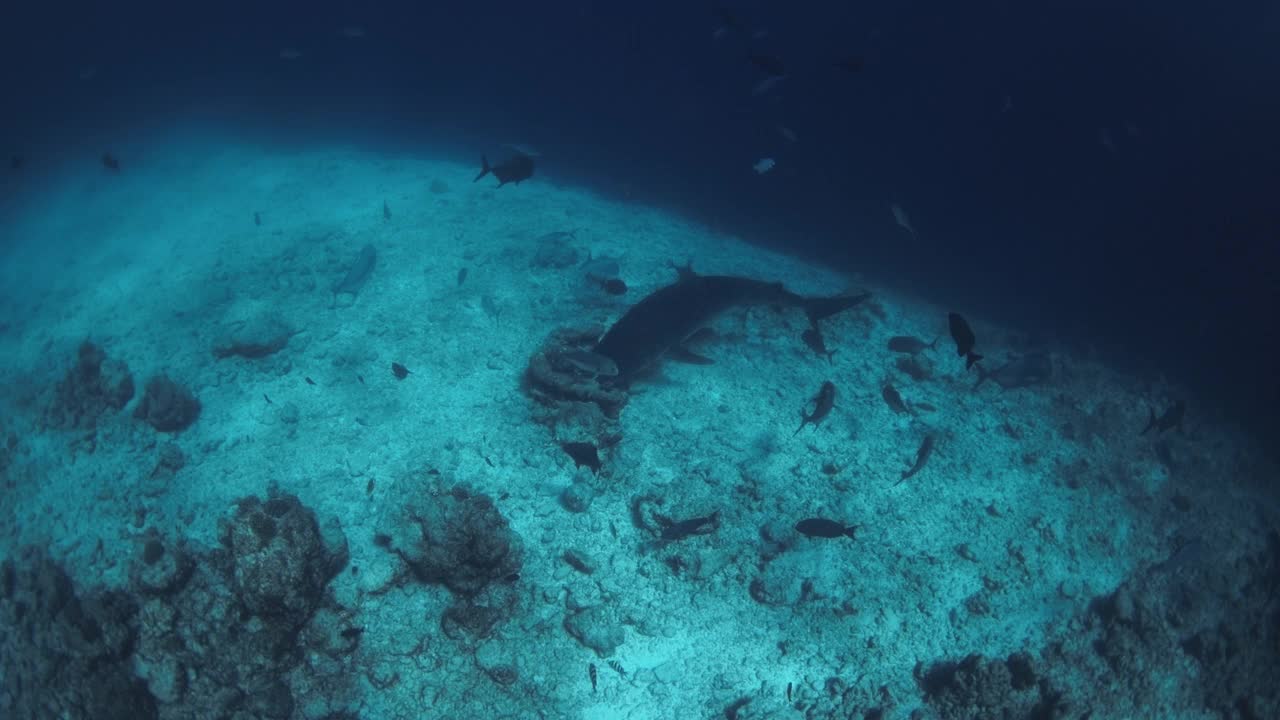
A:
[970,359]
[484,168]
[823,307]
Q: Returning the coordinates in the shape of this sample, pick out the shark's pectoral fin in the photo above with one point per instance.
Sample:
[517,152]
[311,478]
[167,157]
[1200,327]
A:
[681,353]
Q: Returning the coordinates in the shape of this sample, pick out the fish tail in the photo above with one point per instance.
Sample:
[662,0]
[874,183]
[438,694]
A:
[970,359]
[484,168]
[933,345]
[804,421]
[1150,423]
[851,532]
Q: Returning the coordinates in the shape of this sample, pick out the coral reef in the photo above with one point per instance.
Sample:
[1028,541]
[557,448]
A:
[95,386]
[167,406]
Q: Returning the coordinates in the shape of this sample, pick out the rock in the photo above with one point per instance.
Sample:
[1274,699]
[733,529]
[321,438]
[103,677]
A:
[595,629]
[95,386]
[167,406]
[258,337]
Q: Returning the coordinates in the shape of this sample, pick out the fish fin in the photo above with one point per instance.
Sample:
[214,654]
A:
[804,421]
[933,345]
[1150,423]
[680,353]
[851,532]
[970,359]
[484,168]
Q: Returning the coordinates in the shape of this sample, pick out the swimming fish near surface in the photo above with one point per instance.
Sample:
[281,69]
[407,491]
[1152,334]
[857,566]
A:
[511,170]
[665,319]
[822,404]
[964,337]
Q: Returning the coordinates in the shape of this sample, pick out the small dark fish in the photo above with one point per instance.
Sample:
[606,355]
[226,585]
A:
[1025,371]
[257,219]
[695,526]
[788,692]
[513,170]
[110,162]
[820,527]
[462,276]
[965,339]
[768,64]
[922,456]
[264,397]
[1172,418]
[813,338]
[822,404]
[401,372]
[617,667]
[591,673]
[910,345]
[351,633]
[368,487]
[360,378]
[583,453]
[893,399]
[386,211]
[382,540]
[309,381]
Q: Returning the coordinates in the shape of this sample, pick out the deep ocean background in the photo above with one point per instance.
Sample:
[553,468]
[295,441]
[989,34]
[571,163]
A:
[1161,251]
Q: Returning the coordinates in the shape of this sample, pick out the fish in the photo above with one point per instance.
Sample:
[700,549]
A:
[1024,371]
[462,276]
[694,526]
[813,338]
[511,170]
[893,399]
[763,165]
[910,345]
[309,381]
[904,221]
[401,372]
[386,211]
[822,404]
[664,319]
[922,456]
[964,337]
[257,219]
[611,285]
[910,365]
[823,528]
[1171,418]
[357,274]
[110,162]
[360,378]
[592,673]
[590,363]
[264,397]
[583,454]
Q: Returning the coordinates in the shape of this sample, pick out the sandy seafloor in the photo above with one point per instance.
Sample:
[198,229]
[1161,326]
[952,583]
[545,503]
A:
[1038,504]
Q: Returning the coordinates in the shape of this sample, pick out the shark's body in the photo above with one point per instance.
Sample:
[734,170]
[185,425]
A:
[663,320]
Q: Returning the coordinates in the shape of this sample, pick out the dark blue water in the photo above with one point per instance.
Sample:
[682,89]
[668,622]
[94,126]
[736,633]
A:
[1161,248]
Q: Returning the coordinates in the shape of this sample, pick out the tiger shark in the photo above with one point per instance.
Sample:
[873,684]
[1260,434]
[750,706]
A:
[662,321]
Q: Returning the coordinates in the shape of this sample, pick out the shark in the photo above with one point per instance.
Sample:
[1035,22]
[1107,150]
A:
[662,321]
